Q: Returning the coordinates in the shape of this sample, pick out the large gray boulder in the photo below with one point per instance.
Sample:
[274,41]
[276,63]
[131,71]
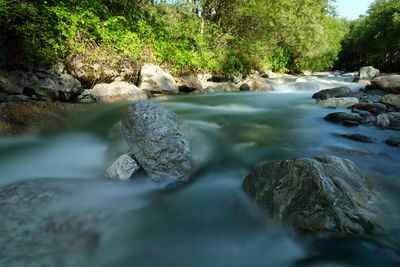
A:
[155,80]
[45,83]
[390,83]
[158,141]
[315,194]
[333,92]
[367,73]
[117,91]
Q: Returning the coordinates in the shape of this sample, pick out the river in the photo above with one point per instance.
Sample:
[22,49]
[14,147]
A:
[211,222]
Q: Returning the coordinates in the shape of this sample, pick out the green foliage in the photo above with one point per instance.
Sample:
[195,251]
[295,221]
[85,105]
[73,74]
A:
[183,36]
[374,39]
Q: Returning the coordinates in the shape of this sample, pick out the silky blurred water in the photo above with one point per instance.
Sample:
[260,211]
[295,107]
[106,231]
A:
[211,222]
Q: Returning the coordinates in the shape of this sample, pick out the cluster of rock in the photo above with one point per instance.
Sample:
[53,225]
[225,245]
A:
[158,142]
[56,84]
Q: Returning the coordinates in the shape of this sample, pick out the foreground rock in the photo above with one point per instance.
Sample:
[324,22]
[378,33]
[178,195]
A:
[123,168]
[392,99]
[155,80]
[315,194]
[390,83]
[158,141]
[45,83]
[367,73]
[334,92]
[339,102]
[116,91]
[28,117]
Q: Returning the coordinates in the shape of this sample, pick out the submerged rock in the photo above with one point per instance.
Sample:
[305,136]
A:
[123,168]
[155,80]
[393,141]
[257,84]
[333,92]
[220,87]
[117,91]
[367,73]
[158,141]
[390,83]
[339,101]
[358,137]
[382,120]
[315,194]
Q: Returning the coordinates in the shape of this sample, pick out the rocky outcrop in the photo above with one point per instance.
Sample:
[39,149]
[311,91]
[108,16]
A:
[315,194]
[391,99]
[390,83]
[339,101]
[189,84]
[116,91]
[158,141]
[102,70]
[367,73]
[153,79]
[44,83]
[333,92]
[123,168]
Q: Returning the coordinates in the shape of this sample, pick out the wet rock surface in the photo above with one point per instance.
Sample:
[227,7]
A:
[315,194]
[343,117]
[333,92]
[158,141]
[392,99]
[393,141]
[358,137]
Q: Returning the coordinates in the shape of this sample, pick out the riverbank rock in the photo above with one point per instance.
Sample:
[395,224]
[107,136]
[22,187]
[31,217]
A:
[158,141]
[189,84]
[123,168]
[156,80]
[333,92]
[367,73]
[339,102]
[221,87]
[257,84]
[390,83]
[392,99]
[315,194]
[117,91]
[43,83]
[344,118]
[375,108]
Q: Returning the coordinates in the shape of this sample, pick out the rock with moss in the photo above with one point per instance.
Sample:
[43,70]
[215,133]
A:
[315,194]
[158,140]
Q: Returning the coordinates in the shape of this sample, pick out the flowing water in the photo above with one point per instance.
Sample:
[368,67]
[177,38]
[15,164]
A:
[210,222]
